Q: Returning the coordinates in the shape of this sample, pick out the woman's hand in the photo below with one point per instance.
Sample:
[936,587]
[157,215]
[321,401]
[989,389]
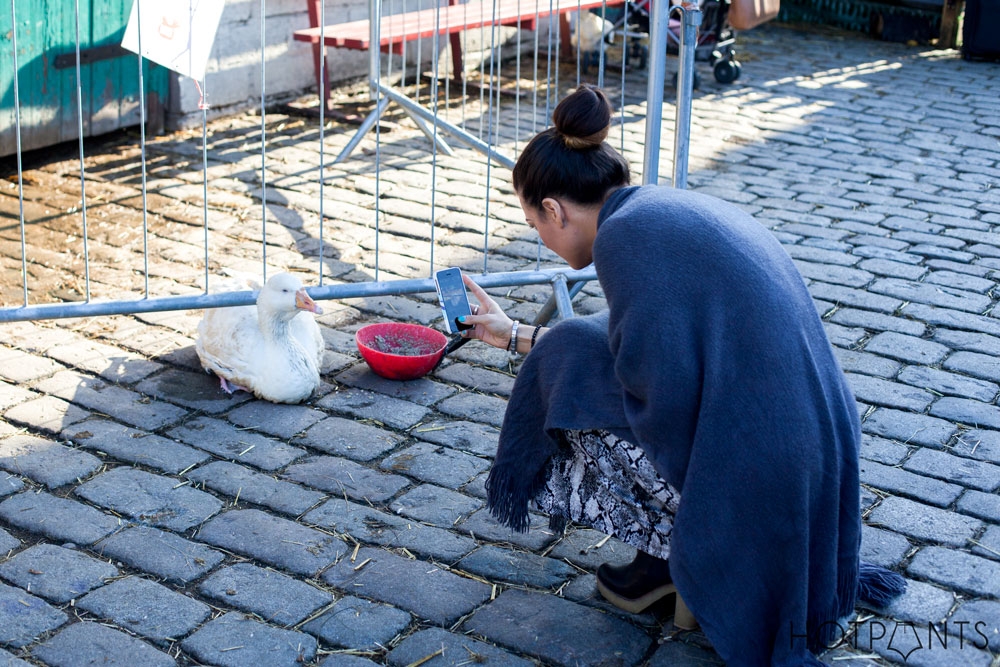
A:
[492,326]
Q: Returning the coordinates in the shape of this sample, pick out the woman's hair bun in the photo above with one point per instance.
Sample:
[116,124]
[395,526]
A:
[582,119]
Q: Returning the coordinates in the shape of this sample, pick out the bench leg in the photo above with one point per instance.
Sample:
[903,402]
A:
[320,64]
[457,61]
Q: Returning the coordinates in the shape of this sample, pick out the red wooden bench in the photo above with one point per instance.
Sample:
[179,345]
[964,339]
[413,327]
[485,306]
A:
[398,29]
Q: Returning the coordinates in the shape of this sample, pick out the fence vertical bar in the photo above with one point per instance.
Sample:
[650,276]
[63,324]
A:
[690,20]
[204,170]
[83,182]
[142,152]
[17,147]
[658,26]
[322,129]
[263,143]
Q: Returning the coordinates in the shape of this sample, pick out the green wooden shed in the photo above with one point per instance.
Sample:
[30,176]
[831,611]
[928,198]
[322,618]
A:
[45,32]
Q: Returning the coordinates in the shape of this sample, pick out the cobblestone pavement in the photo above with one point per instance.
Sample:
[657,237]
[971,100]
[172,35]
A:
[146,518]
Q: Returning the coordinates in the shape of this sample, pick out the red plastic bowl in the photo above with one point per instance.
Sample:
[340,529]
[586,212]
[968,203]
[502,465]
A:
[418,349]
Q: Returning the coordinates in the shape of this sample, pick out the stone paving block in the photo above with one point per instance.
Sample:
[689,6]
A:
[134,446]
[9,484]
[575,635]
[341,477]
[464,436]
[235,640]
[117,402]
[11,395]
[953,319]
[846,337]
[422,588]
[146,608]
[435,464]
[227,441]
[957,570]
[435,505]
[346,660]
[87,643]
[852,317]
[448,649]
[45,461]
[881,450]
[924,522]
[483,526]
[18,367]
[479,379]
[978,444]
[983,505]
[237,481]
[358,624]
[366,524]
[856,361]
[889,266]
[112,363]
[279,542]
[23,617]
[198,391]
[497,564]
[968,340]
[979,623]
[919,603]
[682,654]
[967,411]
[849,296]
[588,548]
[834,274]
[47,413]
[8,543]
[906,348]
[280,420]
[160,553]
[8,660]
[949,384]
[275,597]
[983,366]
[364,404]
[988,544]
[346,437]
[421,391]
[909,428]
[151,499]
[475,407]
[57,518]
[967,472]
[960,281]
[905,483]
[883,547]
[891,394]
[55,573]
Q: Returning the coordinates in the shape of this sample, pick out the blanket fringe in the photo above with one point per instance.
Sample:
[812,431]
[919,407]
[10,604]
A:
[878,586]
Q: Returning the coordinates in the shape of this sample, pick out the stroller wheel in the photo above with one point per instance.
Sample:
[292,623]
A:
[727,71]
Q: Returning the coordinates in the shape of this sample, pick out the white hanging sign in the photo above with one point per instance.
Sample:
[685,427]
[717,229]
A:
[178,34]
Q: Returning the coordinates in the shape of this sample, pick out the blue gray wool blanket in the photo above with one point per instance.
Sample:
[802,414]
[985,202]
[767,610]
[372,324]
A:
[713,359]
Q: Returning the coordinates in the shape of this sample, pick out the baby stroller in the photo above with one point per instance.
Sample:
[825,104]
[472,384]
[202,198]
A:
[715,43]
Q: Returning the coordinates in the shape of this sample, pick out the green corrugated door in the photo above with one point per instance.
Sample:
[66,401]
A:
[46,47]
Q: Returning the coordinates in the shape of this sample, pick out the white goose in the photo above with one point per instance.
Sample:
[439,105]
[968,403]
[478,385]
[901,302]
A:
[273,349]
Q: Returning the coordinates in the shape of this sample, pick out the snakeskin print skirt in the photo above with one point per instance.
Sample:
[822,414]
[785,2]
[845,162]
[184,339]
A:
[606,483]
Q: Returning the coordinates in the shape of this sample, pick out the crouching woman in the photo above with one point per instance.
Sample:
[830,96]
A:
[702,419]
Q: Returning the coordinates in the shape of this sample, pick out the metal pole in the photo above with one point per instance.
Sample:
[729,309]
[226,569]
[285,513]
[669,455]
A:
[654,89]
[690,20]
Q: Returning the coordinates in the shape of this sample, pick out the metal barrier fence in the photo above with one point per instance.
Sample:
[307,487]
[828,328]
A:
[429,117]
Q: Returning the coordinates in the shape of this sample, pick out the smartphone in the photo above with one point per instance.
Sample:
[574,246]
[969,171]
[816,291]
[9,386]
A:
[453,298]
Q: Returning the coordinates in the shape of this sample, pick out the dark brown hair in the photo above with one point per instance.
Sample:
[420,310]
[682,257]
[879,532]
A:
[571,158]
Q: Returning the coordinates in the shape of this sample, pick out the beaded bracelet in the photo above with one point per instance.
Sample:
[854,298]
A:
[534,336]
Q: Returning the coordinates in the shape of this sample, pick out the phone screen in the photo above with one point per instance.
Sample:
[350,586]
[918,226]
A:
[452,297]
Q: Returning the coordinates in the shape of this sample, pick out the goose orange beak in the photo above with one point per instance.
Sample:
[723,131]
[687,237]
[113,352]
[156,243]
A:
[304,302]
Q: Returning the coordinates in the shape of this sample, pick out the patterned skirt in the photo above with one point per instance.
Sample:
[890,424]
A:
[601,481]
